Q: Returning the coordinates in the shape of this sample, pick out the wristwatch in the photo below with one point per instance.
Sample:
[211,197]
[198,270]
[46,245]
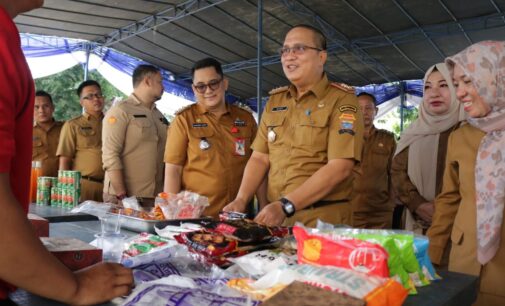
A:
[288,207]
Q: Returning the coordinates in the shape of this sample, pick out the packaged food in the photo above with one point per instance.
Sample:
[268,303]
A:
[144,243]
[376,291]
[259,263]
[421,244]
[349,253]
[245,230]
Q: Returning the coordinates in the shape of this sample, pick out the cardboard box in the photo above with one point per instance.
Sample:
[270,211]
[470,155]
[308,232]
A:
[301,294]
[73,253]
[39,224]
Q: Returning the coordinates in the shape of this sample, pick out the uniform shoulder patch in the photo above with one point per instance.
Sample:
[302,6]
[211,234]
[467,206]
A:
[243,106]
[278,90]
[182,109]
[344,87]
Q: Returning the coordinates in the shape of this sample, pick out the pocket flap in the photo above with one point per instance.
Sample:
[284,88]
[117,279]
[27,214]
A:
[314,120]
[201,132]
[37,143]
[141,122]
[272,120]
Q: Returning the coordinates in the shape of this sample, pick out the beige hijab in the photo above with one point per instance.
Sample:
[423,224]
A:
[421,138]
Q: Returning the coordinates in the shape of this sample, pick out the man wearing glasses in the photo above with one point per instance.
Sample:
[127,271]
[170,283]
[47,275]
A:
[310,138]
[134,135]
[209,142]
[80,146]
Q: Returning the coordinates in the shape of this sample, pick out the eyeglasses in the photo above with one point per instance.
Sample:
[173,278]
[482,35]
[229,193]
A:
[213,85]
[91,96]
[297,50]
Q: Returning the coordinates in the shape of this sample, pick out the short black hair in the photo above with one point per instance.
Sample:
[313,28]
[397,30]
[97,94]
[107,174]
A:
[318,34]
[207,62]
[86,84]
[141,72]
[366,94]
[42,93]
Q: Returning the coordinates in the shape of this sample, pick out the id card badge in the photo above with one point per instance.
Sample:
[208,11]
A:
[239,146]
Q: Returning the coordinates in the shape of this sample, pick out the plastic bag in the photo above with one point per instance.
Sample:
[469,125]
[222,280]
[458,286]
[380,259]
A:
[373,289]
[189,205]
[421,244]
[259,263]
[97,209]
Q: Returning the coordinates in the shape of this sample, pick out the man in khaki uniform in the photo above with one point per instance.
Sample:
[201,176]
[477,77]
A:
[46,133]
[310,138]
[373,196]
[134,135]
[80,146]
[209,142]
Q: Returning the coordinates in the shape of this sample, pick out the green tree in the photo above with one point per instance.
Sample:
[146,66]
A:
[409,115]
[62,87]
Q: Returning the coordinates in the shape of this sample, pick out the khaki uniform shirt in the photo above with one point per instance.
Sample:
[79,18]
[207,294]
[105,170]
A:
[45,144]
[134,137]
[81,139]
[372,181]
[455,216]
[215,172]
[300,135]
[405,190]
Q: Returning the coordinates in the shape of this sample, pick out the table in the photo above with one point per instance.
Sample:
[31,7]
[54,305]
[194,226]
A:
[58,214]
[455,289]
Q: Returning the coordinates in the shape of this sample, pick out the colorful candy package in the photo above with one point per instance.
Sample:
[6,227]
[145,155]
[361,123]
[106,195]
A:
[421,244]
[349,253]
[245,230]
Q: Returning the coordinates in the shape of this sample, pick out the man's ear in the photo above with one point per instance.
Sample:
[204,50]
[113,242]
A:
[225,84]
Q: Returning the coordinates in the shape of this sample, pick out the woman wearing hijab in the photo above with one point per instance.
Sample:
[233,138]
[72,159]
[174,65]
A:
[418,165]
[469,209]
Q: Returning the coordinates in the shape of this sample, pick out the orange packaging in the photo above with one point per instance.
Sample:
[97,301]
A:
[36,172]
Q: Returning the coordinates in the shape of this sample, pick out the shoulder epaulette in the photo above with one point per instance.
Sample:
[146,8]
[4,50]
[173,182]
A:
[278,90]
[244,106]
[343,87]
[180,110]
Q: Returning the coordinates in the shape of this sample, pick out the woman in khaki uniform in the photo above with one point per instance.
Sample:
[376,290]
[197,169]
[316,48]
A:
[469,209]
[424,144]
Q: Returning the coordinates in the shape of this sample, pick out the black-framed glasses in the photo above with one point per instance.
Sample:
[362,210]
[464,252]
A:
[213,85]
[91,96]
[296,49]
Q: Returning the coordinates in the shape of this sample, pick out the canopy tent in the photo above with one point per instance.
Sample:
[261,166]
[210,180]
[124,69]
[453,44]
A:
[48,55]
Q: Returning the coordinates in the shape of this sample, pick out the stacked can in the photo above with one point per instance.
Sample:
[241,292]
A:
[68,190]
[44,188]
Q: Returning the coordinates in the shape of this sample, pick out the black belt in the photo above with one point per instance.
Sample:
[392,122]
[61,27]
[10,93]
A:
[92,179]
[325,203]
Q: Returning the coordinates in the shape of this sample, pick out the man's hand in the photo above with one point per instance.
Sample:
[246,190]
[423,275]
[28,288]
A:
[271,215]
[425,211]
[102,282]
[236,205]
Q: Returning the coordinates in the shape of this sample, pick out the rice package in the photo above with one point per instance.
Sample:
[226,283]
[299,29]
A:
[376,291]
[358,255]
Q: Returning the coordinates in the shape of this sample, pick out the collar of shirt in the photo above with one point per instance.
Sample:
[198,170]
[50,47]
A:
[318,90]
[201,110]
[88,116]
[55,123]
[137,101]
[373,130]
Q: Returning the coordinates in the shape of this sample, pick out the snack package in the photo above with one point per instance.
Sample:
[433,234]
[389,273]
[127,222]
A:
[144,243]
[349,253]
[189,205]
[231,215]
[402,251]
[176,290]
[245,230]
[421,244]
[259,263]
[376,291]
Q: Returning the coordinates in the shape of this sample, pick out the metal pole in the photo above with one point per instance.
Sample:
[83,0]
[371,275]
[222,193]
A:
[402,103]
[259,104]
[86,64]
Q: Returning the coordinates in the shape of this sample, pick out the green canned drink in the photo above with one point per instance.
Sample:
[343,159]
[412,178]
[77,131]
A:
[70,197]
[61,176]
[55,197]
[44,182]
[43,196]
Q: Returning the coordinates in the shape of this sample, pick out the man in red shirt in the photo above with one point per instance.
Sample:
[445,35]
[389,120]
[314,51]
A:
[24,261]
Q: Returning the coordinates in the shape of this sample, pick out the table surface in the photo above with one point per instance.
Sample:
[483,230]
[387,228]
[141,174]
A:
[58,214]
[454,289]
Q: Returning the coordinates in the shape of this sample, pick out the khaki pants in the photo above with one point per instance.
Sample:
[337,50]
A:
[91,190]
[376,220]
[339,213]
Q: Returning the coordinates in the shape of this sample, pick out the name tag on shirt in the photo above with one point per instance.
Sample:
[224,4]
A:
[279,109]
[199,125]
[139,116]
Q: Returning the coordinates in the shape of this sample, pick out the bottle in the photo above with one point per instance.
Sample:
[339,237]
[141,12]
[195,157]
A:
[36,172]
